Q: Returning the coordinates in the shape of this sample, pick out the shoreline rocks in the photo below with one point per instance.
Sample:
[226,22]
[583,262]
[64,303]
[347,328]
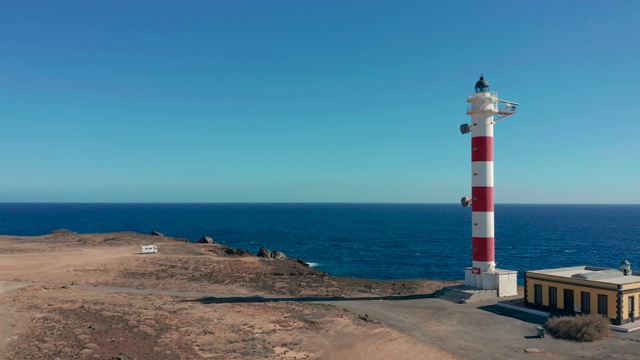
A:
[271,254]
[237,252]
[206,240]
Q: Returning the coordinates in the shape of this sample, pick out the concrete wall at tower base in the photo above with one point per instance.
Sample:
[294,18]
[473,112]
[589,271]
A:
[507,282]
[504,281]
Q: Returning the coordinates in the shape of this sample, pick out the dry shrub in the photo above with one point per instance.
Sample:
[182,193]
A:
[584,328]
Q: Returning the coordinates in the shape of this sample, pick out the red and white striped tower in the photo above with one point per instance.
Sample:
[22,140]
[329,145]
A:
[484,106]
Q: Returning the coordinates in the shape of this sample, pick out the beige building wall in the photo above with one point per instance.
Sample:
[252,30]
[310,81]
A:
[594,288]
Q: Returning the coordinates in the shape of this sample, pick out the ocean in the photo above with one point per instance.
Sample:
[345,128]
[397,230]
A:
[379,241]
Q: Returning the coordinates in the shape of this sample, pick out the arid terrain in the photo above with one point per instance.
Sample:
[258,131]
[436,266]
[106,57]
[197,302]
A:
[94,296]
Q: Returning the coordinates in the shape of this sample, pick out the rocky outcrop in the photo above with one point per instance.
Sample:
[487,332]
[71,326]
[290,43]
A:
[271,254]
[264,252]
[237,252]
[206,240]
[157,233]
[302,262]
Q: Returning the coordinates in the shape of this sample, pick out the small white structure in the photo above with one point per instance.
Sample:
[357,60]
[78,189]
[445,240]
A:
[148,249]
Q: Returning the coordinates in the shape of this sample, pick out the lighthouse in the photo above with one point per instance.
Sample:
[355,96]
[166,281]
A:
[485,109]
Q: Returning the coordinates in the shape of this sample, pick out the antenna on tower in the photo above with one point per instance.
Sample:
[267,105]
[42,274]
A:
[505,108]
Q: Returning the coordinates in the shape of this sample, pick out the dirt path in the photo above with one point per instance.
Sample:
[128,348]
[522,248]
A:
[485,331]
[8,285]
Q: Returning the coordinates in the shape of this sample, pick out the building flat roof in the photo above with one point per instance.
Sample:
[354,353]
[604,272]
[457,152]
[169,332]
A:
[592,273]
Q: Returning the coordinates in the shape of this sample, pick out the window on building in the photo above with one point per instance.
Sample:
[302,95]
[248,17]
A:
[553,297]
[568,300]
[537,294]
[603,305]
[585,302]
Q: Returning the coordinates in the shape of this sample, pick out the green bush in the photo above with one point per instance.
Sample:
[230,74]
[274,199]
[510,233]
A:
[584,328]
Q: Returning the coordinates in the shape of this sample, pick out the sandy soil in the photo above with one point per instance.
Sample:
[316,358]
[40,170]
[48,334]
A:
[94,296]
[73,296]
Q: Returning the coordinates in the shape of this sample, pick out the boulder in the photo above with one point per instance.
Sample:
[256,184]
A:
[264,253]
[206,240]
[157,233]
[269,254]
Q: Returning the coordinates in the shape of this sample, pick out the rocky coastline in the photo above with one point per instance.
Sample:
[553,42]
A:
[68,295]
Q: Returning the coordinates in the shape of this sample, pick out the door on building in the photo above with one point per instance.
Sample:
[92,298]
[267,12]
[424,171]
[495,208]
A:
[585,302]
[603,305]
[568,300]
[537,294]
[553,297]
[632,307]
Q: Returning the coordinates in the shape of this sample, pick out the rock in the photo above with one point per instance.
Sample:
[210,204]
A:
[264,253]
[157,233]
[206,240]
[533,351]
[300,261]
[237,252]
[269,254]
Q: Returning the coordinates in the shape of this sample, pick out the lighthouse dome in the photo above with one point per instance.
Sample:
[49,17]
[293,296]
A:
[482,85]
[625,267]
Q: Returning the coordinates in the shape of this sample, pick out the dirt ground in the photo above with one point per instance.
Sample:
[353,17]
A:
[94,296]
[84,296]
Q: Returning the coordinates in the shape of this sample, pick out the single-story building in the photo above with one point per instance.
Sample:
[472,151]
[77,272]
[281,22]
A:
[613,293]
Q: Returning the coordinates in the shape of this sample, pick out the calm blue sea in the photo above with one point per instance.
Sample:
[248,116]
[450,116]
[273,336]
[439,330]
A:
[380,241]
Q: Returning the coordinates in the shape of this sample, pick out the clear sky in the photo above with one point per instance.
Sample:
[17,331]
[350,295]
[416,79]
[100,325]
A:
[315,101]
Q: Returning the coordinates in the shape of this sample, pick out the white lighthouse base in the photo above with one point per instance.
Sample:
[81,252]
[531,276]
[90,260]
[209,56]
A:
[504,281]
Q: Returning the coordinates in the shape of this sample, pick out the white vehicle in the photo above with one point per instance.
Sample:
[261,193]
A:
[148,249]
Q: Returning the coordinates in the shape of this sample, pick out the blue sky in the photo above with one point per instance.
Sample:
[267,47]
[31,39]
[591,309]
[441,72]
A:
[315,101]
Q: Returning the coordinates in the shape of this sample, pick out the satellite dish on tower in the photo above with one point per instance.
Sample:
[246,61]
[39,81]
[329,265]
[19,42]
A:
[465,201]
